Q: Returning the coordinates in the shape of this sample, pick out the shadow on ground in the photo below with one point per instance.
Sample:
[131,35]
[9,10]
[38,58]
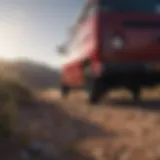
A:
[152,105]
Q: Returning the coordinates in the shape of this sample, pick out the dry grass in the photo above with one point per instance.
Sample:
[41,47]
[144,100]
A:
[12,94]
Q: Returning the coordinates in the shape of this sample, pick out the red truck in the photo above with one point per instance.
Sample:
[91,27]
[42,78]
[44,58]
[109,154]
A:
[114,43]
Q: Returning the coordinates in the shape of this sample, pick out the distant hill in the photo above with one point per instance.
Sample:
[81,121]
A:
[34,74]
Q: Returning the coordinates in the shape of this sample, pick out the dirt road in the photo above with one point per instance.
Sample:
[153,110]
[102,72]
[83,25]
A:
[117,129]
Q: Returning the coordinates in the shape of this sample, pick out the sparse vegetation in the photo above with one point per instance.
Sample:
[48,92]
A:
[8,114]
[12,94]
[20,92]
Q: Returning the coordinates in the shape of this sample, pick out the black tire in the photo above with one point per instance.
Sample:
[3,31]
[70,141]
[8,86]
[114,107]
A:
[88,76]
[136,93]
[65,91]
[98,89]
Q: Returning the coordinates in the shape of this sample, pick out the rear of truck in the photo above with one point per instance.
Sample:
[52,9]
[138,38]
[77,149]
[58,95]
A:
[129,45]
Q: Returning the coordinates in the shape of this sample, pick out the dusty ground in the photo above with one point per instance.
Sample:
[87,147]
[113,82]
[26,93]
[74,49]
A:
[114,130]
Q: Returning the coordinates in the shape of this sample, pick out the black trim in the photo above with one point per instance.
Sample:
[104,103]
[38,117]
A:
[141,24]
[125,67]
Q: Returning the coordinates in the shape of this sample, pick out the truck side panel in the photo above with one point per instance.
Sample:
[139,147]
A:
[84,47]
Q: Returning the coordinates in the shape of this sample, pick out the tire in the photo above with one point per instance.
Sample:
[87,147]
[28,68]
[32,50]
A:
[98,89]
[136,93]
[65,91]
[88,76]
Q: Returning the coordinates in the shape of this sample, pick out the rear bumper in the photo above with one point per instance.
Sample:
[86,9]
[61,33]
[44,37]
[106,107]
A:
[130,67]
[128,74]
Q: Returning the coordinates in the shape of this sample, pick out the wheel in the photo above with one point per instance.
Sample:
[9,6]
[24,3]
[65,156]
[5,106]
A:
[65,91]
[136,93]
[97,91]
[88,76]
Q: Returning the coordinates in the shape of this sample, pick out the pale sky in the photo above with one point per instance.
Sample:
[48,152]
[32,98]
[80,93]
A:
[33,28]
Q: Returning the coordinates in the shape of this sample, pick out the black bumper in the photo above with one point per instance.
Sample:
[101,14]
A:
[129,67]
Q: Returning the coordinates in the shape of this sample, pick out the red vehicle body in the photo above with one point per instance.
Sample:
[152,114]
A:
[116,43]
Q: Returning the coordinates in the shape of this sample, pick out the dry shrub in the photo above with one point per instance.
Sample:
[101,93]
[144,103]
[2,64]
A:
[17,90]
[8,113]
[12,94]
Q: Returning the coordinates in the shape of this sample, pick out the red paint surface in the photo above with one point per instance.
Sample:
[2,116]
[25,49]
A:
[72,73]
[139,44]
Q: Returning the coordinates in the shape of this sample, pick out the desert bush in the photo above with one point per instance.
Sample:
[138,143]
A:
[17,90]
[8,117]
[12,94]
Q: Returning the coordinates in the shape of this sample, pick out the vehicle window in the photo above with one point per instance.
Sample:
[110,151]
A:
[151,6]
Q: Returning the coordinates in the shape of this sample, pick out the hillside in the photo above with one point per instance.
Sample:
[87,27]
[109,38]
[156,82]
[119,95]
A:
[31,73]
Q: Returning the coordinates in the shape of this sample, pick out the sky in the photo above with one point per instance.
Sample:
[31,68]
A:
[33,28]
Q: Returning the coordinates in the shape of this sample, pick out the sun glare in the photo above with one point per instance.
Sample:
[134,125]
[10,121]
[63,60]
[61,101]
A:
[10,34]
